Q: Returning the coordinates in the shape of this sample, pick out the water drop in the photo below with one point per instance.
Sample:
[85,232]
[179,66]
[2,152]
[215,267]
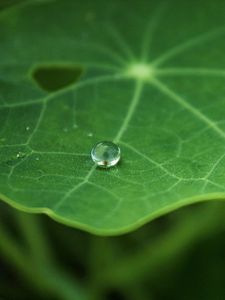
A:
[105,154]
[90,134]
[20,154]
[28,128]
[37,158]
[75,126]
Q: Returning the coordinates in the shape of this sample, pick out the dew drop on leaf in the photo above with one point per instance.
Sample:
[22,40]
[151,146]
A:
[20,154]
[105,154]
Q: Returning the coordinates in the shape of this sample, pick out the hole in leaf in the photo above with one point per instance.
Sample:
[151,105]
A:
[53,78]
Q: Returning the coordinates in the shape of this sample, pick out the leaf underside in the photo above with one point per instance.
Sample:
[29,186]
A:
[152,79]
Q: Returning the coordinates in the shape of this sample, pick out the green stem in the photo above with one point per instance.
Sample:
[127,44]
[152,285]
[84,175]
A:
[47,277]
[100,256]
[16,256]
[31,229]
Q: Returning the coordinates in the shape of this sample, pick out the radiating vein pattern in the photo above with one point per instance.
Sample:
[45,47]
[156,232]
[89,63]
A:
[151,82]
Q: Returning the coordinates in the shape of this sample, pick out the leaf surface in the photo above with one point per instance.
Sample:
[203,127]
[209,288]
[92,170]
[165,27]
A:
[149,76]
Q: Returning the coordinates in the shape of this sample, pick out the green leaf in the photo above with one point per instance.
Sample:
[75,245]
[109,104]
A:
[149,76]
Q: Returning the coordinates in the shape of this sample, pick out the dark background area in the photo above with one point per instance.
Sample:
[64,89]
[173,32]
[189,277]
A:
[178,256]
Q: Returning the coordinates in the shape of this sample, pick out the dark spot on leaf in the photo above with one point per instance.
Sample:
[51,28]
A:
[53,78]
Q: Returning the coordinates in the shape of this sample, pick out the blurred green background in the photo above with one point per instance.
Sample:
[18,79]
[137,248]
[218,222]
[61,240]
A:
[178,256]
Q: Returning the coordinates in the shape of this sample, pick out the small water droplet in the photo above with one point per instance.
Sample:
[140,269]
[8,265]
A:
[28,128]
[20,154]
[75,126]
[105,154]
[37,158]
[90,134]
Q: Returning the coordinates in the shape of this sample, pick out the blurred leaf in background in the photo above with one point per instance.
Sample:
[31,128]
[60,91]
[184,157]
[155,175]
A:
[179,256]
